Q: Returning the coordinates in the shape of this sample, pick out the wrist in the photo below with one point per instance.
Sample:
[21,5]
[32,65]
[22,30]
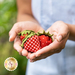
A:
[69,28]
[71,32]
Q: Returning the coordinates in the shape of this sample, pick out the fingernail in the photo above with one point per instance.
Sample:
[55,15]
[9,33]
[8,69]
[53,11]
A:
[59,38]
[10,37]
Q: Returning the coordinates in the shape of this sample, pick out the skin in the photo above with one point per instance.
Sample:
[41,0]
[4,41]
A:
[25,21]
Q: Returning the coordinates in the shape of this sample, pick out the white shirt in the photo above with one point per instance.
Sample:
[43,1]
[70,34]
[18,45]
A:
[46,13]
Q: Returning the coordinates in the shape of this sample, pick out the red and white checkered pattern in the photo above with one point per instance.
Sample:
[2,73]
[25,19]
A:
[32,44]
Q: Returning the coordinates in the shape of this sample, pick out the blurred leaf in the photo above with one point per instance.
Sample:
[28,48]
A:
[8,14]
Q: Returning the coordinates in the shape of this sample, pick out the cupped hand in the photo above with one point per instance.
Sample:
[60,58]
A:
[60,33]
[18,27]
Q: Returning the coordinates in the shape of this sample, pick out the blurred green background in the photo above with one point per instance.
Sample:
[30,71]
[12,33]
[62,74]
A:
[8,14]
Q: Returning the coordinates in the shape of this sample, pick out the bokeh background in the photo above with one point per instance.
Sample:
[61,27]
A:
[8,15]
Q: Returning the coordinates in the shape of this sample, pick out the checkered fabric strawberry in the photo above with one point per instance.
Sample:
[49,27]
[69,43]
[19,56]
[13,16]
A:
[30,40]
[33,42]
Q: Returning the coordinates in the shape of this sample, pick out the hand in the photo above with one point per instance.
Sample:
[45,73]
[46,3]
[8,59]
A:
[18,27]
[61,34]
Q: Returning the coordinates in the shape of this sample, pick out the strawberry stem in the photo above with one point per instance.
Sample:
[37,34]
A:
[26,32]
[31,33]
[25,39]
[44,33]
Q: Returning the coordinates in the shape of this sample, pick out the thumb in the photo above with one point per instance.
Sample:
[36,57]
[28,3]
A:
[12,36]
[60,37]
[14,31]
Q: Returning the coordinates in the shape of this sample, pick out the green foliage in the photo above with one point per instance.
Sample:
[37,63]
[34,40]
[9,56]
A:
[8,13]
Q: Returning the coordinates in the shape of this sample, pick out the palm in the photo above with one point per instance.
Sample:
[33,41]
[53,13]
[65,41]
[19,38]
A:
[21,26]
[30,26]
[57,29]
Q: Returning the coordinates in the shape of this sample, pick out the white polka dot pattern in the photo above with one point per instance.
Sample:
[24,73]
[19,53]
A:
[32,44]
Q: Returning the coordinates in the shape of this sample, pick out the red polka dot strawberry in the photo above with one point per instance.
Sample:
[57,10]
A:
[33,42]
[30,40]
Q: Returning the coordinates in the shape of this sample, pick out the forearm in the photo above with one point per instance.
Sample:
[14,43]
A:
[26,17]
[25,11]
[72,32]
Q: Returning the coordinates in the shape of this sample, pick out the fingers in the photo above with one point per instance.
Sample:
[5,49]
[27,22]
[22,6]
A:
[37,58]
[57,36]
[53,48]
[46,51]
[17,44]
[62,36]
[14,31]
[33,57]
[24,52]
[62,32]
[17,47]
[43,56]
[61,29]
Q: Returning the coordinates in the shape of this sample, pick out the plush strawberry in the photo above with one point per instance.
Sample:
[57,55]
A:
[23,34]
[30,40]
[33,42]
[45,39]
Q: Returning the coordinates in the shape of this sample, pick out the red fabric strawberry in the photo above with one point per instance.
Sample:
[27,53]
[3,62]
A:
[33,42]
[45,40]
[30,40]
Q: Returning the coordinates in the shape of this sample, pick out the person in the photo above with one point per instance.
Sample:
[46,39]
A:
[57,17]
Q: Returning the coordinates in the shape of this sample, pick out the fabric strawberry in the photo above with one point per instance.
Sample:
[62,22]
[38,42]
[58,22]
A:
[45,39]
[30,41]
[33,42]
[23,34]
